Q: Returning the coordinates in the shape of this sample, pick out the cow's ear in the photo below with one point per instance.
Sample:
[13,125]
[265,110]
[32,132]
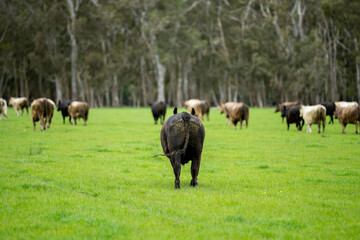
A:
[192,111]
[175,110]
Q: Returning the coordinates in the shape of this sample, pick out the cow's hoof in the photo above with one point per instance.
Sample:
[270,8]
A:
[194,183]
[177,185]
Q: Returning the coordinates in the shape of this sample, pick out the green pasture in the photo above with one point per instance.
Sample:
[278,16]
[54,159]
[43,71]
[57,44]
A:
[103,181]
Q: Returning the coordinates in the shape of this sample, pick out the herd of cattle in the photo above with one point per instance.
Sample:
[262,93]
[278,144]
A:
[182,135]
[42,109]
[346,112]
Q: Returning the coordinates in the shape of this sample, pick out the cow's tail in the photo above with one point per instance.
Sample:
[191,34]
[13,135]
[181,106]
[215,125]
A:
[186,118]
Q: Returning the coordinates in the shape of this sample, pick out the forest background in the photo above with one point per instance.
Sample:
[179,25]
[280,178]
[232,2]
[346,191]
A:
[117,52]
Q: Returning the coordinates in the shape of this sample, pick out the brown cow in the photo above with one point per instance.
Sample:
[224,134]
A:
[19,103]
[42,108]
[280,107]
[348,115]
[79,110]
[238,113]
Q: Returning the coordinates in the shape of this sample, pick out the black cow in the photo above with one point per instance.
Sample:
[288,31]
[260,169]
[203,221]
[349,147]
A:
[182,138]
[292,115]
[330,110]
[159,111]
[63,107]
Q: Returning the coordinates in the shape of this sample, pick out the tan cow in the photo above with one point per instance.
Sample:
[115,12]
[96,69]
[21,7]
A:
[201,107]
[42,109]
[79,110]
[237,113]
[224,109]
[3,108]
[19,103]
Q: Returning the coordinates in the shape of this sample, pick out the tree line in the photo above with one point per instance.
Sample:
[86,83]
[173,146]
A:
[135,52]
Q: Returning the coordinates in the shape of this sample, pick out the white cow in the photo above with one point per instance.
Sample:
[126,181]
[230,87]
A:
[3,108]
[19,103]
[313,115]
[345,104]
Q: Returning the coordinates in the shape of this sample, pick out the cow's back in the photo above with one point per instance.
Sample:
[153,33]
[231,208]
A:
[173,135]
[78,109]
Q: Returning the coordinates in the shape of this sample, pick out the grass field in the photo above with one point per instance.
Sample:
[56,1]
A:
[102,181]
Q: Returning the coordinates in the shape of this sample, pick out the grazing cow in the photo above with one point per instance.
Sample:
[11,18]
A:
[42,108]
[3,108]
[280,107]
[182,138]
[206,109]
[330,109]
[224,109]
[79,110]
[313,115]
[201,107]
[292,115]
[158,110]
[345,104]
[63,107]
[19,103]
[348,115]
[238,113]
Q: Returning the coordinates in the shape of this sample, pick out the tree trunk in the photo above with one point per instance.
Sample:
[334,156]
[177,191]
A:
[74,48]
[40,86]
[121,100]
[229,85]
[107,96]
[179,85]
[357,70]
[160,79]
[16,87]
[22,87]
[236,93]
[100,100]
[26,85]
[187,68]
[92,98]
[114,91]
[221,92]
[143,82]
[58,88]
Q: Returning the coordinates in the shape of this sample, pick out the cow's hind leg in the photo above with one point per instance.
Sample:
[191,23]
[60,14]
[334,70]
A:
[85,118]
[42,125]
[323,124]
[234,124]
[308,128]
[34,123]
[195,165]
[176,164]
[356,127]
[344,126]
